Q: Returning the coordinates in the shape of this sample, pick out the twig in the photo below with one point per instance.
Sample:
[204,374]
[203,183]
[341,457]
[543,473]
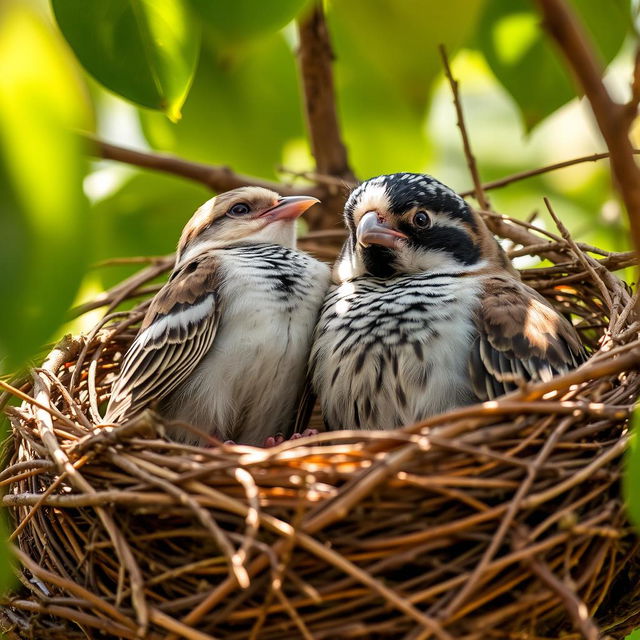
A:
[570,36]
[215,177]
[574,606]
[468,153]
[72,587]
[523,175]
[62,353]
[236,568]
[588,263]
[515,504]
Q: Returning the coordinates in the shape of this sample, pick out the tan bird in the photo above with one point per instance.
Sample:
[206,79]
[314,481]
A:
[225,342]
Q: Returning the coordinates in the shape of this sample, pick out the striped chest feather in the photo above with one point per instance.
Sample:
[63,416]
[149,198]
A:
[246,387]
[389,352]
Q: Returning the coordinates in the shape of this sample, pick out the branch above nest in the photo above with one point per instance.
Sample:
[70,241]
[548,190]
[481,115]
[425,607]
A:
[613,119]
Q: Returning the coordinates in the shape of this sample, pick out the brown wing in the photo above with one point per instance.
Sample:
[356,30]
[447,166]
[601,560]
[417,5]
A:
[177,331]
[520,338]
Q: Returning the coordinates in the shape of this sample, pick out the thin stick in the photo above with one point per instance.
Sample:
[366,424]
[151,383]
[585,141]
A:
[468,153]
[576,609]
[514,506]
[584,259]
[215,178]
[523,175]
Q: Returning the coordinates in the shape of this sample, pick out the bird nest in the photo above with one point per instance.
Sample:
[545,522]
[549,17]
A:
[499,520]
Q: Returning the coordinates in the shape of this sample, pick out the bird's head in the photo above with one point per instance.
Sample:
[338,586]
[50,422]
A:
[247,214]
[410,223]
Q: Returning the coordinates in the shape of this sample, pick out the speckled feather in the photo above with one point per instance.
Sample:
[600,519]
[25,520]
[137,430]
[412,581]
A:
[225,343]
[439,322]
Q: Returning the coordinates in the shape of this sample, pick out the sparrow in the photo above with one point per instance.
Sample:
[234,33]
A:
[426,312]
[224,344]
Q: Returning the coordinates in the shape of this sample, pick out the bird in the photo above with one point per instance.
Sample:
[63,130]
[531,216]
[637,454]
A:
[224,343]
[426,312]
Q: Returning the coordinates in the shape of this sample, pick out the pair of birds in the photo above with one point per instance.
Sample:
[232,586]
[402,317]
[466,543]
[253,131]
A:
[424,313]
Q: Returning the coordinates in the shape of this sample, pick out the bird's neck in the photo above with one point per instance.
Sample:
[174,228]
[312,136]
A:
[281,232]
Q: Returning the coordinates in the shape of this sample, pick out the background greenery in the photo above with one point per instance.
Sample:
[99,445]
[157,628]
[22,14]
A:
[217,82]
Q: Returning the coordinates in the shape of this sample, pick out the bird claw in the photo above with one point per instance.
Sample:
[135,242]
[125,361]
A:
[273,441]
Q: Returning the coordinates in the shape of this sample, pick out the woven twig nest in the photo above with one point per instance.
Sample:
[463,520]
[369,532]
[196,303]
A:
[501,520]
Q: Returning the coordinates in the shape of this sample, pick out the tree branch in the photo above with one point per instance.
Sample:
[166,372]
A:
[315,58]
[522,175]
[611,117]
[218,179]
[478,190]
[632,106]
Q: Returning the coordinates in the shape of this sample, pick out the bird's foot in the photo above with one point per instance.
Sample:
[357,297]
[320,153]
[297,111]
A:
[273,441]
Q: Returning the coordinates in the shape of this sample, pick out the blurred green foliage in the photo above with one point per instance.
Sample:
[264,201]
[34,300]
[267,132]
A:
[217,82]
[44,213]
[631,479]
[144,50]
[528,65]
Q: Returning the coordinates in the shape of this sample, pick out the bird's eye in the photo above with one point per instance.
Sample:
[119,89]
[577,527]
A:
[239,209]
[421,219]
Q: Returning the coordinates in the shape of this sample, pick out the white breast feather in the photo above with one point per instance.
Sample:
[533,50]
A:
[246,387]
[382,325]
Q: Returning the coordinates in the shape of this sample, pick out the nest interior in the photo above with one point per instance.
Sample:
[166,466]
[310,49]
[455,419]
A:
[501,520]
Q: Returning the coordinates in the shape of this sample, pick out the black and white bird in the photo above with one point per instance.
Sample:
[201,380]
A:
[225,343]
[426,312]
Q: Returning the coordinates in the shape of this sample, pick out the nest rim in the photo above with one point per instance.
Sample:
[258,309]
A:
[263,526]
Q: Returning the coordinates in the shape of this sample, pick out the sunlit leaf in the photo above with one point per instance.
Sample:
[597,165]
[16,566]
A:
[634,635]
[242,109]
[143,218]
[144,50]
[528,64]
[386,60]
[43,212]
[232,23]
[631,478]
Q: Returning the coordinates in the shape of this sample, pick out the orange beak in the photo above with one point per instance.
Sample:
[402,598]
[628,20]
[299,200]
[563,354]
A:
[289,208]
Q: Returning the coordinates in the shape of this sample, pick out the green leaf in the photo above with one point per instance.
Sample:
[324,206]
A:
[386,61]
[634,635]
[144,50]
[233,23]
[529,66]
[631,478]
[44,211]
[243,108]
[6,575]
[143,218]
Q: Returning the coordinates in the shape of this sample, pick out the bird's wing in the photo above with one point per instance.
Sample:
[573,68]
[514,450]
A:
[177,331]
[520,338]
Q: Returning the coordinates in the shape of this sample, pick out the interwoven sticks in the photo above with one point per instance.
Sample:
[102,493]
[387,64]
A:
[501,520]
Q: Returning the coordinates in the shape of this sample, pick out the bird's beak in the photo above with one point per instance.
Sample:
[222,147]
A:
[371,231]
[289,207]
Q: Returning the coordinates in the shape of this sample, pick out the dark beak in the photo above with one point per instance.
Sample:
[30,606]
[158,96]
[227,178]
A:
[289,208]
[371,231]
